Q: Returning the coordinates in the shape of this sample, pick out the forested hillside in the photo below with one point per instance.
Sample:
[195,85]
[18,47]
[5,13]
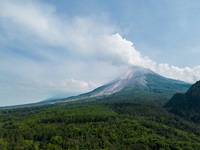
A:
[99,125]
[186,105]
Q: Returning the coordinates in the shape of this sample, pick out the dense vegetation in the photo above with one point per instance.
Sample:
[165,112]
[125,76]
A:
[186,105]
[99,125]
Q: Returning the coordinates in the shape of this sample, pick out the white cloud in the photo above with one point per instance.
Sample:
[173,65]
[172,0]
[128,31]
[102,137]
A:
[119,51]
[85,37]
[72,85]
[186,74]
[40,24]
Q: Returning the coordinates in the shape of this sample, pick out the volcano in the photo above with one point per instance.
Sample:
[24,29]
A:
[140,84]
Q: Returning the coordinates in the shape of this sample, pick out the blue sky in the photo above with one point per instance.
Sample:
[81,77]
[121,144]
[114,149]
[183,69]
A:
[49,47]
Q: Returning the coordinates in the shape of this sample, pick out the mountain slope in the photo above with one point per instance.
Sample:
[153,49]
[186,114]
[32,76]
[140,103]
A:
[186,105]
[138,84]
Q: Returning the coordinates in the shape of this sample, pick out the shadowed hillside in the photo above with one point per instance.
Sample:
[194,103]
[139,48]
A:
[186,105]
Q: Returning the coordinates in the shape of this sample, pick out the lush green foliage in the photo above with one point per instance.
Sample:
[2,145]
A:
[186,105]
[105,125]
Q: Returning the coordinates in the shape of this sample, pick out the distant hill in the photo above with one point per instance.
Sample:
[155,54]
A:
[59,96]
[140,85]
[186,105]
